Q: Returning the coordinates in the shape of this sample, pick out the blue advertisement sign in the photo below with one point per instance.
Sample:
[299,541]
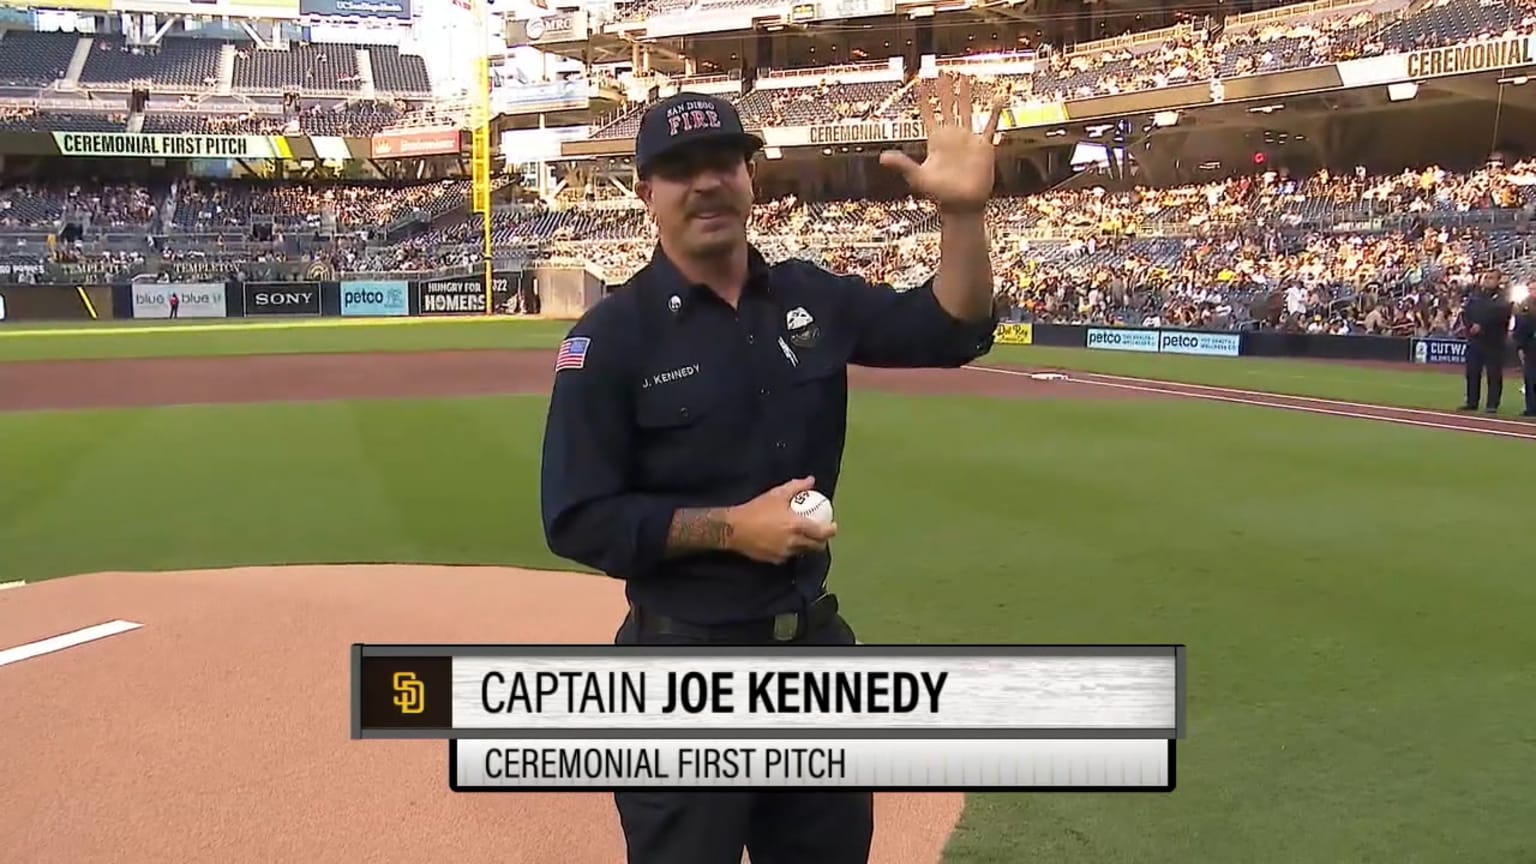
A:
[1440,351]
[1123,340]
[375,299]
[357,8]
[1206,344]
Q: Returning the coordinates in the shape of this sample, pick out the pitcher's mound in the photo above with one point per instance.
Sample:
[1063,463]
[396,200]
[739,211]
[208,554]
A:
[218,731]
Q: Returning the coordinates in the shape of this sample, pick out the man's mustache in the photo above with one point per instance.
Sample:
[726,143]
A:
[712,206]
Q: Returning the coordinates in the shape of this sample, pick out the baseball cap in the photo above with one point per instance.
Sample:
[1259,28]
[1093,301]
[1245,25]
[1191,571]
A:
[687,119]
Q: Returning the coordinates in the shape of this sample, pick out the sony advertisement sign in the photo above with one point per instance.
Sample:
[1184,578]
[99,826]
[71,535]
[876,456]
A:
[282,298]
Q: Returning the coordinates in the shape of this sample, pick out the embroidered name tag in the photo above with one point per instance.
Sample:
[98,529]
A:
[669,377]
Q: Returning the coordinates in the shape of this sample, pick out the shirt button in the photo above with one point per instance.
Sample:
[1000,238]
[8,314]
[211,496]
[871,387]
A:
[779,445]
[751,339]
[682,412]
[764,391]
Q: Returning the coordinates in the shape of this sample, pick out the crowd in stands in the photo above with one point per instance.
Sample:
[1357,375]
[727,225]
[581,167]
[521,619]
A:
[209,207]
[1191,57]
[1331,252]
[229,208]
[1267,248]
[30,206]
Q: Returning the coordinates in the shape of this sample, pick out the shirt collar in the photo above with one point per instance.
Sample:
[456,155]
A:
[667,282]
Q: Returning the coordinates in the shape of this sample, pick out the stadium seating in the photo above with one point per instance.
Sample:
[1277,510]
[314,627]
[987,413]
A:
[185,63]
[393,72]
[35,59]
[816,103]
[1328,248]
[33,120]
[312,67]
[1445,22]
[1217,254]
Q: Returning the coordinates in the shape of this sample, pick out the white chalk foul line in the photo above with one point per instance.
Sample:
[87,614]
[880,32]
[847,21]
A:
[1088,378]
[1270,403]
[65,640]
[17,584]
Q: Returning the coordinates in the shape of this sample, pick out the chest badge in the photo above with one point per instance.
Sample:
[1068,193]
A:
[803,330]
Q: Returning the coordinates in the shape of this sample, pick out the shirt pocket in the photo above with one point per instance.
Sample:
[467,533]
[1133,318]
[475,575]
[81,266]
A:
[817,389]
[687,429]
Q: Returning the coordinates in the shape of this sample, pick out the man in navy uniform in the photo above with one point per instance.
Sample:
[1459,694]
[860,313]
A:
[1487,315]
[690,406]
[1523,336]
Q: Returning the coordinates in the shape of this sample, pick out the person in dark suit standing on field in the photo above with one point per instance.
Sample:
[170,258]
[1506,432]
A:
[1488,311]
[1524,340]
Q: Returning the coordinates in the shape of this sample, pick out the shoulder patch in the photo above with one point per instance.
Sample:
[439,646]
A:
[573,353]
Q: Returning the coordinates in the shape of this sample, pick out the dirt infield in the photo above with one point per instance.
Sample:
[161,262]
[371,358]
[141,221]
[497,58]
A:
[247,756]
[77,384]
[74,384]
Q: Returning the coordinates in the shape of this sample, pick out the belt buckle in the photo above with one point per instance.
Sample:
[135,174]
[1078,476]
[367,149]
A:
[785,626]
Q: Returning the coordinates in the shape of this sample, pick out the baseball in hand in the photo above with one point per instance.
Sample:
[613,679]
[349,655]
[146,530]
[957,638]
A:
[813,505]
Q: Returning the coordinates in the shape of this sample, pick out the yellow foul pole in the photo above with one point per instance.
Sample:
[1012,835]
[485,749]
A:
[480,140]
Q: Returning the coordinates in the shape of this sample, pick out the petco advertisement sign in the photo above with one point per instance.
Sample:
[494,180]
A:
[1123,340]
[374,299]
[1207,344]
[190,300]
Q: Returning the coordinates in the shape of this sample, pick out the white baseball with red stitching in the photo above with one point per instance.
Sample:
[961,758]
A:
[812,504]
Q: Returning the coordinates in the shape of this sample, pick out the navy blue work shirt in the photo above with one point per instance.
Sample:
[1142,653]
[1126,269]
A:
[678,400]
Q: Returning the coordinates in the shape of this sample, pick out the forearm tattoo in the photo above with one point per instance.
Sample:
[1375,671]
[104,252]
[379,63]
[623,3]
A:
[698,528]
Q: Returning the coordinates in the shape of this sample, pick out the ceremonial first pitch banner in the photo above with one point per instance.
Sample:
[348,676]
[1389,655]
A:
[154,146]
[1465,58]
[958,717]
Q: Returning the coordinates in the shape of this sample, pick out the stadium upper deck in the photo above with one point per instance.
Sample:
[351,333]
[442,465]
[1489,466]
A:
[81,82]
[813,72]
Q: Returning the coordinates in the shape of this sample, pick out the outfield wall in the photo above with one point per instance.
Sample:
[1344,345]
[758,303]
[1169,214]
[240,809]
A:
[566,293]
[1242,343]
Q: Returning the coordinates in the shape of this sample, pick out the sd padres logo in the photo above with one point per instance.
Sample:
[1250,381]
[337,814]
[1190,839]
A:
[410,693]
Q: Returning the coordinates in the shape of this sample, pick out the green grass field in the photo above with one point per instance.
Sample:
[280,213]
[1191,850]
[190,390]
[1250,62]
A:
[1355,596]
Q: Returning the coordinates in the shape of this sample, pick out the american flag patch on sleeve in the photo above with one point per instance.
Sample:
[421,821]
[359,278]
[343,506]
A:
[573,353]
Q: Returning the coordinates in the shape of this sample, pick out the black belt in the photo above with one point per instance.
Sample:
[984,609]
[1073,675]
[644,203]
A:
[783,627]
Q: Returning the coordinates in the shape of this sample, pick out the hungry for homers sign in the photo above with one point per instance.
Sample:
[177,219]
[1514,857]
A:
[170,146]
